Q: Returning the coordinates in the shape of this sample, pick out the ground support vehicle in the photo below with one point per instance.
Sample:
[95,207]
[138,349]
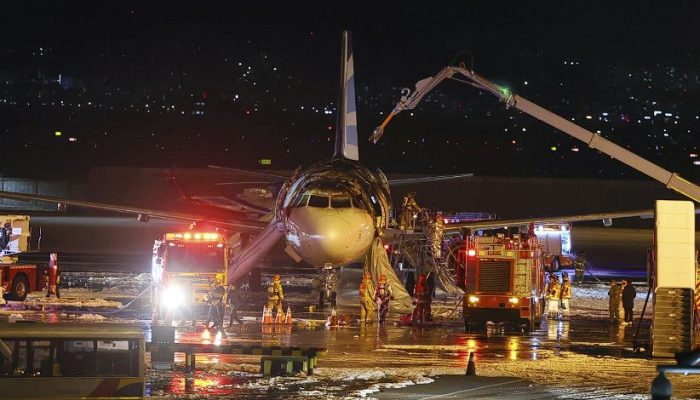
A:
[71,361]
[555,241]
[185,268]
[18,279]
[503,280]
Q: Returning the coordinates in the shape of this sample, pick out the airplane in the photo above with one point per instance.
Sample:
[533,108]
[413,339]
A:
[330,213]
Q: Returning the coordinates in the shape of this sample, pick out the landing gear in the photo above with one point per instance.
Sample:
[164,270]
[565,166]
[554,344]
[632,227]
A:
[329,277]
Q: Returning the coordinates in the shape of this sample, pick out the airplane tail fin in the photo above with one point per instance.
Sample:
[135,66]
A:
[346,144]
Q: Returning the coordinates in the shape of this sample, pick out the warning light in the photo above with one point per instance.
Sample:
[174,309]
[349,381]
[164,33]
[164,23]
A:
[196,236]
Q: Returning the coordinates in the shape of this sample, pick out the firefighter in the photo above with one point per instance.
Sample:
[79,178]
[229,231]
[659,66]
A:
[553,294]
[366,299]
[382,295]
[614,302]
[628,295]
[275,294]
[233,300]
[565,297]
[216,307]
[580,267]
[552,278]
[4,240]
[53,278]
[409,207]
[422,299]
[6,235]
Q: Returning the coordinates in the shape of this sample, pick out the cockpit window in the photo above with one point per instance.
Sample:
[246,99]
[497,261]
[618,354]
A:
[318,201]
[340,202]
[302,201]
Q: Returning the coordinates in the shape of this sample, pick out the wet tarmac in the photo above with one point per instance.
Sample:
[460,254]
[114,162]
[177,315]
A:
[584,357]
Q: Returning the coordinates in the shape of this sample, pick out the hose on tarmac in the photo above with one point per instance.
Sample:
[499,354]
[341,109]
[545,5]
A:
[591,274]
[123,308]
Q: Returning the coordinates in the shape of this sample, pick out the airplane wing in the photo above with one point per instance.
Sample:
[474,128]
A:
[237,207]
[605,217]
[245,171]
[408,181]
[143,213]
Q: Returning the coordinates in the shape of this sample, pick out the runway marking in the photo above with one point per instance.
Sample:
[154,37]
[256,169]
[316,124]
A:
[473,389]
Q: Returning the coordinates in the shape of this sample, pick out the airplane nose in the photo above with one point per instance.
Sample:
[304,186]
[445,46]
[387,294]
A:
[332,237]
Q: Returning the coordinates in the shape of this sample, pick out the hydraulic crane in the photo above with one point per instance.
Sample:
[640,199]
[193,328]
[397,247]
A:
[409,101]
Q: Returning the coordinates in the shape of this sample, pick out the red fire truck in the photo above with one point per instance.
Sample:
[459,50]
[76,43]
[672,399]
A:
[185,267]
[503,279]
[555,243]
[19,279]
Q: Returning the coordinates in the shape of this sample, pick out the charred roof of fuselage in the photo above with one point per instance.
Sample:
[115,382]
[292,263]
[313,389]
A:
[368,190]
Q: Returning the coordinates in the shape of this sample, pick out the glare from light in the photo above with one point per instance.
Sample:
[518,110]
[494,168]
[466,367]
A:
[172,297]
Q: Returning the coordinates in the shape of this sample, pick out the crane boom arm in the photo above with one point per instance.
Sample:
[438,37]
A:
[409,100]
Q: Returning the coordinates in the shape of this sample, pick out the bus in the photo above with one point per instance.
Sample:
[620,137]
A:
[70,361]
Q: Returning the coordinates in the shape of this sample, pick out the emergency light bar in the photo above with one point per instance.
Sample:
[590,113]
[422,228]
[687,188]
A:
[194,236]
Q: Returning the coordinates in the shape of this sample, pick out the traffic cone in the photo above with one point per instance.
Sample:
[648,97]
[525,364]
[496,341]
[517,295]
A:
[279,317]
[288,317]
[471,366]
[267,315]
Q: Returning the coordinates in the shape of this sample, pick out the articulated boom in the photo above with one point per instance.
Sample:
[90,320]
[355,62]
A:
[409,100]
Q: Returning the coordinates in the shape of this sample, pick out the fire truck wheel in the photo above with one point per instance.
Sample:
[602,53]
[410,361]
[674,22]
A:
[20,288]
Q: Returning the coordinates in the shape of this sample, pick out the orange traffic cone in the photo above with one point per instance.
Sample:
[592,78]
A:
[288,317]
[267,319]
[279,315]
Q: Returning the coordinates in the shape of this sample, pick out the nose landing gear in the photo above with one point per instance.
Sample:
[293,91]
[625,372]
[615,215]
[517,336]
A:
[328,294]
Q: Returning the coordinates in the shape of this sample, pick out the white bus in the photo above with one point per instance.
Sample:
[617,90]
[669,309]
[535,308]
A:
[57,361]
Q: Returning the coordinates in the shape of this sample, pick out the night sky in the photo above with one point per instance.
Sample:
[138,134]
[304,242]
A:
[230,83]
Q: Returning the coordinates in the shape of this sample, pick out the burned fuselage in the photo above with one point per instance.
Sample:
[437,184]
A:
[332,210]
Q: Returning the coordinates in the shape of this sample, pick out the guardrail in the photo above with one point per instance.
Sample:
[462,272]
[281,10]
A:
[275,360]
